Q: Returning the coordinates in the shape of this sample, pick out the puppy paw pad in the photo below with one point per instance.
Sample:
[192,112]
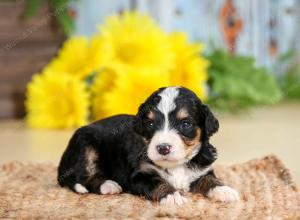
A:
[173,199]
[223,194]
[110,187]
[80,188]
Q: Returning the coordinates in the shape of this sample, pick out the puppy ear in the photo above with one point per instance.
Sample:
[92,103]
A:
[209,122]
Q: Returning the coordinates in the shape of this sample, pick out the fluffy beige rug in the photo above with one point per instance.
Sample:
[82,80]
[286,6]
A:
[30,191]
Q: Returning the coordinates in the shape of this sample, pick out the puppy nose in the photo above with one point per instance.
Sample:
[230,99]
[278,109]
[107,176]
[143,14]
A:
[163,149]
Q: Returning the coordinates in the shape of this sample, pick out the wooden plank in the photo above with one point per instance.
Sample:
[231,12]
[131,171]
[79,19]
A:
[18,65]
[14,28]
[26,46]
[12,107]
[32,34]
[208,27]
[7,18]
[37,49]
[6,89]
[21,73]
[288,24]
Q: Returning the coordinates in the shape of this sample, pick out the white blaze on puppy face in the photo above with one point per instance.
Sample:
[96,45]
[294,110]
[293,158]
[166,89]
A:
[166,134]
[167,103]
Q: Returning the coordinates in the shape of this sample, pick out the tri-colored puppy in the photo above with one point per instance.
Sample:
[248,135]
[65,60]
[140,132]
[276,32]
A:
[159,153]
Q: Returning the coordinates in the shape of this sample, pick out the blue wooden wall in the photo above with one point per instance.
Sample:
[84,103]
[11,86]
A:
[269,27]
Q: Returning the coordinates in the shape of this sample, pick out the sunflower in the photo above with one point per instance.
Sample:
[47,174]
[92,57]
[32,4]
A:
[126,93]
[56,101]
[137,43]
[190,68]
[103,83]
[79,57]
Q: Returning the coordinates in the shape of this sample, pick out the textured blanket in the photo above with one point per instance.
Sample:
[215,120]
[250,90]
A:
[30,191]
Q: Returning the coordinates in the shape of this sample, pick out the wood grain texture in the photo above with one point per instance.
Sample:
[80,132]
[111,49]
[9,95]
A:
[270,27]
[26,46]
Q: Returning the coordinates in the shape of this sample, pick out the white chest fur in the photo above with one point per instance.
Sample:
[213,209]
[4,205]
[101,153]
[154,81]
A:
[181,177]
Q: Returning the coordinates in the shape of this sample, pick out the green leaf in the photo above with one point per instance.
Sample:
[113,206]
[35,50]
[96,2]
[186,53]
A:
[60,8]
[290,54]
[235,83]
[32,7]
[289,78]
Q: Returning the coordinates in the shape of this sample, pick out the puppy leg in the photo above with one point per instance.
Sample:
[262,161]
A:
[213,188]
[154,188]
[88,171]
[81,176]
[80,160]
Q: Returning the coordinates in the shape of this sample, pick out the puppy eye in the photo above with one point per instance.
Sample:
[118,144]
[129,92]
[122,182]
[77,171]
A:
[185,124]
[149,124]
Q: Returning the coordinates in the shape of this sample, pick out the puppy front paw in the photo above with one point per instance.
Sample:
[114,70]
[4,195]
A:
[173,199]
[223,194]
[110,187]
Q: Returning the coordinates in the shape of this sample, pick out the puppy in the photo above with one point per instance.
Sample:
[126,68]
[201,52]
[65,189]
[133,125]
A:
[159,153]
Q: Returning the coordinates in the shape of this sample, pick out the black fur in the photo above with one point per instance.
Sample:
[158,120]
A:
[121,141]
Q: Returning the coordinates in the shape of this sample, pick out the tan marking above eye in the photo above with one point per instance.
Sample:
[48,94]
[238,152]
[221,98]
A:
[182,113]
[151,115]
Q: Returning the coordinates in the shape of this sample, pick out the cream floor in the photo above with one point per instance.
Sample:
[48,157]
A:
[241,137]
